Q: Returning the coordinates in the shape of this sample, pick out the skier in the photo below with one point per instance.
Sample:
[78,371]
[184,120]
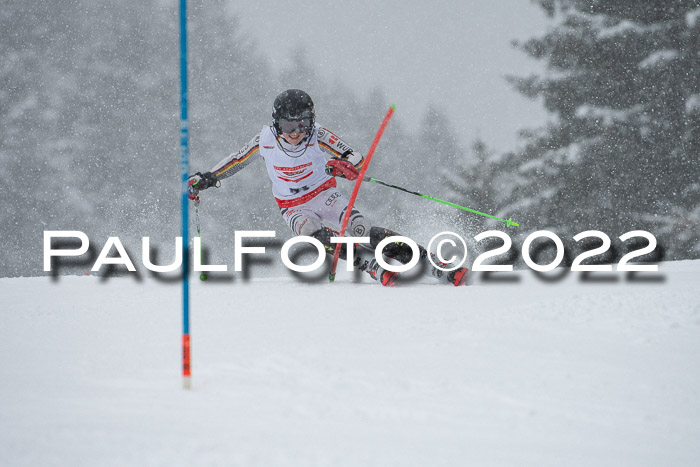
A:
[296,151]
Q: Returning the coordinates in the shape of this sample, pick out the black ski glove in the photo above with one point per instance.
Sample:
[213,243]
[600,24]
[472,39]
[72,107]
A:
[200,181]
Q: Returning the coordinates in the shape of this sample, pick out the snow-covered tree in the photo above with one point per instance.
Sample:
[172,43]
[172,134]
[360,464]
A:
[623,83]
[89,126]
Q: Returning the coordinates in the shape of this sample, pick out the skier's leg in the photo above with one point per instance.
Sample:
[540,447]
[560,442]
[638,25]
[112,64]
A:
[301,220]
[396,250]
[321,218]
[404,254]
[325,210]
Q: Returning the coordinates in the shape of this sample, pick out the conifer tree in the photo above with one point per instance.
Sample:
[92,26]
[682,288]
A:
[623,83]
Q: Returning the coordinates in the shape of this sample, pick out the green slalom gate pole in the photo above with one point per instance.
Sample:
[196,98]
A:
[508,222]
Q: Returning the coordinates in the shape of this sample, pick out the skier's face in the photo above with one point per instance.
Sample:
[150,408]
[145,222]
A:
[294,130]
[295,137]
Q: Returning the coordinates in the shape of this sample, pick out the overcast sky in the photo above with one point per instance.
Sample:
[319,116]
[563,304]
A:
[452,53]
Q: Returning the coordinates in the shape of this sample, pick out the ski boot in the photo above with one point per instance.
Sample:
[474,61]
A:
[365,261]
[383,276]
[404,254]
[363,258]
[456,277]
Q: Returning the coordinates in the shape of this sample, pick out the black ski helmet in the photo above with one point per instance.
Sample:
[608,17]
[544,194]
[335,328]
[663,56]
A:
[293,104]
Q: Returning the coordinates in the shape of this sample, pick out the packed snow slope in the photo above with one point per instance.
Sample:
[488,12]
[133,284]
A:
[520,372]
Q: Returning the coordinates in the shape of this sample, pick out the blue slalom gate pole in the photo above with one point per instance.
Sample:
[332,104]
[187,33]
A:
[185,169]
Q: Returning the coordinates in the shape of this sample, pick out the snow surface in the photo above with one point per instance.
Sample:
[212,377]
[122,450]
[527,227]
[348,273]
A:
[523,372]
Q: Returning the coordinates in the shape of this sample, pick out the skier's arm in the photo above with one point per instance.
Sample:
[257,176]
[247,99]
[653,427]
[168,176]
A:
[237,161]
[225,168]
[338,149]
[344,161]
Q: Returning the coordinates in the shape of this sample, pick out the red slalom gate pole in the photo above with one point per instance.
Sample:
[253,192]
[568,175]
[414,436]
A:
[356,189]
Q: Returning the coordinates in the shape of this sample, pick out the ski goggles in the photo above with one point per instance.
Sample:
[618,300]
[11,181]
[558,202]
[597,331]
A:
[290,126]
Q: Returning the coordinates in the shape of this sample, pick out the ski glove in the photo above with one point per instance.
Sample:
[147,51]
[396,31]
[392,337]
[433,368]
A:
[341,168]
[200,181]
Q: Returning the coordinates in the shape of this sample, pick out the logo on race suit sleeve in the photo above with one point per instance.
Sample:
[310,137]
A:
[252,143]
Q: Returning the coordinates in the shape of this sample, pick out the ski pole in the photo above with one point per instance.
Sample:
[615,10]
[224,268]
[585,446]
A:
[356,189]
[508,222]
[203,276]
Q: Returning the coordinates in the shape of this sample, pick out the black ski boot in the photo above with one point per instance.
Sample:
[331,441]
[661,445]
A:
[456,277]
[365,261]
[403,254]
